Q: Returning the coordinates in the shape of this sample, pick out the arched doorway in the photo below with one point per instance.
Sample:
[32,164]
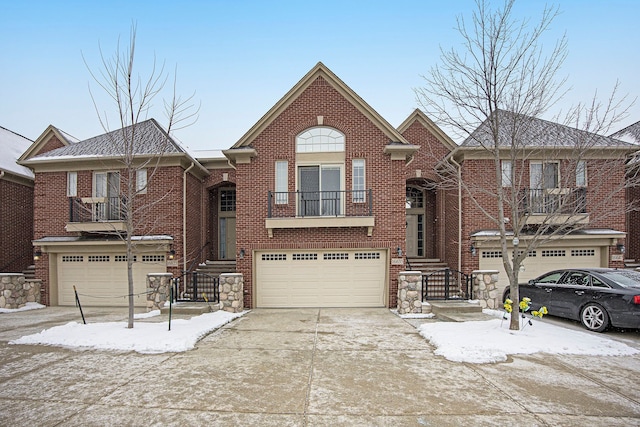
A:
[421,233]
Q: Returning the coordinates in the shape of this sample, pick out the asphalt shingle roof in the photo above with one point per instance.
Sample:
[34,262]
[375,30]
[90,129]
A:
[629,134]
[148,139]
[534,132]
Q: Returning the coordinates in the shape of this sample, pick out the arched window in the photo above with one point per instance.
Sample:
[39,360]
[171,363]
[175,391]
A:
[319,140]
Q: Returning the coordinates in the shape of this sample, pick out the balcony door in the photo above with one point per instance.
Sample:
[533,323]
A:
[106,186]
[320,190]
[543,180]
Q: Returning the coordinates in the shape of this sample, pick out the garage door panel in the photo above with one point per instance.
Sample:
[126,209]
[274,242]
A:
[320,279]
[101,279]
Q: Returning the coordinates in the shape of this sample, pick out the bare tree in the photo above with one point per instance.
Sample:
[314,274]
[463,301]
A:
[491,92]
[133,97]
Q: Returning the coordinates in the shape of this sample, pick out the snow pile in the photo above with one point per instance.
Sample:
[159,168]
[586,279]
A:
[143,338]
[26,307]
[490,341]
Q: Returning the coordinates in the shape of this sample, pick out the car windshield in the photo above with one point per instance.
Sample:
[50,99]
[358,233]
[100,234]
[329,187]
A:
[624,278]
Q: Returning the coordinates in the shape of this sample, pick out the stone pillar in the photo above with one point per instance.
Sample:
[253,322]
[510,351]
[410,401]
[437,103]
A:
[409,292]
[231,292]
[16,291]
[485,289]
[158,287]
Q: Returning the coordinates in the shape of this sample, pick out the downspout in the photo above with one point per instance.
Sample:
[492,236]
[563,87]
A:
[451,159]
[184,216]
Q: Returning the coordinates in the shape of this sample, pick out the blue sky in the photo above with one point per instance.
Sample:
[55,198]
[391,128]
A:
[240,57]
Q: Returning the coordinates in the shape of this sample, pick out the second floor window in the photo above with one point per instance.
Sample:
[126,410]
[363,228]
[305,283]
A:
[507,173]
[358,179]
[141,181]
[282,177]
[72,184]
[581,174]
[544,176]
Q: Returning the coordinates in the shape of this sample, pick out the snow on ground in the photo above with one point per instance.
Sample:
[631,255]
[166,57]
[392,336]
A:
[144,337]
[490,341]
[486,341]
[28,306]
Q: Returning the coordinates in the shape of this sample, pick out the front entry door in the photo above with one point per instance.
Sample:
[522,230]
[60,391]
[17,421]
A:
[227,238]
[412,235]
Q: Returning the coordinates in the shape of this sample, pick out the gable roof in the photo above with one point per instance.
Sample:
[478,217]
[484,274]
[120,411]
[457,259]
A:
[42,140]
[420,117]
[536,133]
[12,145]
[148,139]
[630,134]
[320,70]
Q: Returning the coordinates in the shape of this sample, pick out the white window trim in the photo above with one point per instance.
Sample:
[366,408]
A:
[581,166]
[359,191]
[72,184]
[506,167]
[540,185]
[282,182]
[320,139]
[141,181]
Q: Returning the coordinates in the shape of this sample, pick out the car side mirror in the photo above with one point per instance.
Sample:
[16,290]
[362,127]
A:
[531,282]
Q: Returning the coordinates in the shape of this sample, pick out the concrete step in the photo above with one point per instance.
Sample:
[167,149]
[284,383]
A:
[192,308]
[454,307]
[463,317]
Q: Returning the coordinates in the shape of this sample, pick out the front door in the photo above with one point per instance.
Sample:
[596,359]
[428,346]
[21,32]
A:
[227,224]
[412,235]
[227,239]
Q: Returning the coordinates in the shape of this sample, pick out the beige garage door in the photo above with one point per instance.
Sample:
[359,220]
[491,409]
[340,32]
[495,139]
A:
[323,278]
[541,261]
[101,278]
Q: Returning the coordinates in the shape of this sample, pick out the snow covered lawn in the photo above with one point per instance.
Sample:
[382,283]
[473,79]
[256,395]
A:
[143,338]
[490,341]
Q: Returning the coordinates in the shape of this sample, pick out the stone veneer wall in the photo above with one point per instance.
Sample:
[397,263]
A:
[16,291]
[409,292]
[158,288]
[485,288]
[231,292]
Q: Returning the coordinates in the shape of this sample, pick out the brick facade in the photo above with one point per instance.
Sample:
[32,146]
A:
[363,139]
[16,226]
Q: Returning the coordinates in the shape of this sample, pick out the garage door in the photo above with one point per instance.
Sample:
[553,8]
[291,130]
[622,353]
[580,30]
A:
[541,261]
[101,279]
[323,278]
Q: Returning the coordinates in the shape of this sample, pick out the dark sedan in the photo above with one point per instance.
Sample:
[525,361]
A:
[597,297]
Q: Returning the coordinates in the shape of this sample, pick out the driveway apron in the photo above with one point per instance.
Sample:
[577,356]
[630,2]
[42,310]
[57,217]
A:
[310,367]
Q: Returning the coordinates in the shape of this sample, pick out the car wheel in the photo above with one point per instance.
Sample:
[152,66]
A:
[594,318]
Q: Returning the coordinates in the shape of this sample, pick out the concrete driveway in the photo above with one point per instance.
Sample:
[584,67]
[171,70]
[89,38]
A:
[303,367]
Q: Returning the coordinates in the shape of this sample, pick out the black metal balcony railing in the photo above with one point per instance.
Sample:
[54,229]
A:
[291,204]
[565,201]
[97,210]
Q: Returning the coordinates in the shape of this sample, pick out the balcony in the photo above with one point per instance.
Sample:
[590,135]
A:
[316,209]
[554,205]
[96,214]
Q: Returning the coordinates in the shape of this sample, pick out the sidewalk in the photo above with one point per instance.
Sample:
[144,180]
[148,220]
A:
[303,367]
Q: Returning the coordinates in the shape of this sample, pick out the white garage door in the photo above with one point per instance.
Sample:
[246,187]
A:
[541,261]
[101,279]
[323,278]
